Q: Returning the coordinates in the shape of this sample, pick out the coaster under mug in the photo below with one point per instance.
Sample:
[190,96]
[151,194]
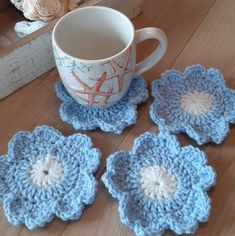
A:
[110,119]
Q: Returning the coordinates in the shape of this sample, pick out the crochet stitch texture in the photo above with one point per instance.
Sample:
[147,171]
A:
[111,119]
[46,175]
[160,185]
[196,102]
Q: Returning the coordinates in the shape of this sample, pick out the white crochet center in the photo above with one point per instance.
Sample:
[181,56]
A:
[46,172]
[157,182]
[197,103]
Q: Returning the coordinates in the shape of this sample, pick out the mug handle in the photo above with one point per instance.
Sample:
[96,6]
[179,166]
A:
[157,54]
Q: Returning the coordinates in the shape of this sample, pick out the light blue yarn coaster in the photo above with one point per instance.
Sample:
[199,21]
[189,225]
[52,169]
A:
[46,175]
[111,119]
[160,185]
[196,102]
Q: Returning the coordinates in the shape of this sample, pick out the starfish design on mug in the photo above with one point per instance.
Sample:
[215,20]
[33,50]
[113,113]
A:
[94,91]
[121,70]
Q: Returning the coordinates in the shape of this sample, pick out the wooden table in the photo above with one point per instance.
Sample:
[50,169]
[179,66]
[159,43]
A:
[199,31]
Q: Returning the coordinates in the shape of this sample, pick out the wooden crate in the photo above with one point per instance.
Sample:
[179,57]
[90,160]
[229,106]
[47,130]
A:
[25,59]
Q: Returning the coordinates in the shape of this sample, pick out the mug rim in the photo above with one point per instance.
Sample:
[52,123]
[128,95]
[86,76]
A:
[63,18]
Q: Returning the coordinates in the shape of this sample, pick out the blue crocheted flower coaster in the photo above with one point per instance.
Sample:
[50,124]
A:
[46,175]
[111,119]
[196,102]
[160,185]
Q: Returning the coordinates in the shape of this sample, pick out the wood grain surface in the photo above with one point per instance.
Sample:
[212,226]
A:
[199,31]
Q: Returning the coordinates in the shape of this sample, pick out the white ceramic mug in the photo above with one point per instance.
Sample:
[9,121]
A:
[95,53]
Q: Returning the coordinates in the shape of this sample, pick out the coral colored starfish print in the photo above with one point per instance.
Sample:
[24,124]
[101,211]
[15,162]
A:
[120,70]
[94,91]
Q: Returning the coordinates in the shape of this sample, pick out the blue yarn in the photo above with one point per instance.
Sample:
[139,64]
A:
[111,119]
[167,113]
[35,205]
[180,212]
